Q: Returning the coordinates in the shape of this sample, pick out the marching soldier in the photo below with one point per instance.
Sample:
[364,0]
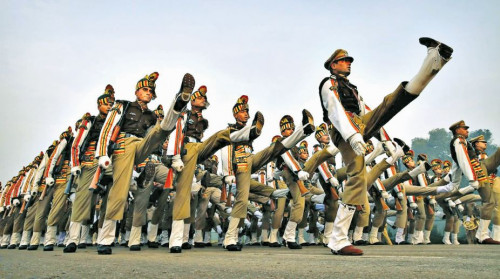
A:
[467,163]
[480,145]
[84,165]
[343,107]
[132,145]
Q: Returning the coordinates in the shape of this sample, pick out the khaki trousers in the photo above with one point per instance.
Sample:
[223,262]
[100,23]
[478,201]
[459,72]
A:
[83,196]
[58,204]
[243,177]
[496,195]
[136,151]
[194,152]
[297,202]
[370,124]
[30,211]
[280,208]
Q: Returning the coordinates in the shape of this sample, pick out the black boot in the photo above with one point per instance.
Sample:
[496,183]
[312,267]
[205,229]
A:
[70,248]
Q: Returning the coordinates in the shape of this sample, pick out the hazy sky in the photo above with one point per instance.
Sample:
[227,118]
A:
[58,56]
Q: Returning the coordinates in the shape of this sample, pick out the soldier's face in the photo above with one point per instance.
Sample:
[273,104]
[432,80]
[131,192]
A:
[304,155]
[437,170]
[200,102]
[324,138]
[462,131]
[242,116]
[104,109]
[342,67]
[144,94]
[481,145]
[286,132]
[410,164]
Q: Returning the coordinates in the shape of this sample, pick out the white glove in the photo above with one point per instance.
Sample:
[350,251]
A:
[358,144]
[49,181]
[177,163]
[400,195]
[15,202]
[104,162]
[209,205]
[318,198]
[72,197]
[451,203]
[335,183]
[303,175]
[254,176]
[432,201]
[277,174]
[2,209]
[8,207]
[27,197]
[314,178]
[460,208]
[76,170]
[219,229]
[474,184]
[130,196]
[247,223]
[258,214]
[413,205]
[385,195]
[230,179]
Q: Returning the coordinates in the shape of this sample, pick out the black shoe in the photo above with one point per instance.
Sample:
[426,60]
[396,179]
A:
[12,246]
[274,244]
[199,245]
[176,249]
[360,242]
[403,145]
[3,247]
[104,249]
[89,244]
[444,50]
[49,247]
[307,122]
[153,244]
[265,243]
[208,244]
[255,244]
[257,124]
[82,245]
[135,248]
[293,245]
[165,245]
[125,244]
[186,245]
[61,245]
[33,247]
[233,247]
[22,247]
[305,244]
[185,92]
[70,248]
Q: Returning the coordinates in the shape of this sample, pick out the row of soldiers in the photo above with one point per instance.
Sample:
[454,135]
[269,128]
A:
[135,170]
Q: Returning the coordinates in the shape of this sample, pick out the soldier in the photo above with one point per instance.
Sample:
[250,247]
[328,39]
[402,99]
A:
[84,165]
[243,163]
[476,171]
[344,108]
[189,132]
[493,205]
[133,144]
[52,191]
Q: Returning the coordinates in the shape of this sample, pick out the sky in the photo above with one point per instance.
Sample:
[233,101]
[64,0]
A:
[58,56]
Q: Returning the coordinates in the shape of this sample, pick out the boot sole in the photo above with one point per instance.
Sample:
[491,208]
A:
[444,50]
[258,124]
[188,83]
[307,122]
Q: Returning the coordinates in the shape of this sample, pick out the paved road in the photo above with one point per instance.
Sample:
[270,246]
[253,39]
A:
[431,261]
